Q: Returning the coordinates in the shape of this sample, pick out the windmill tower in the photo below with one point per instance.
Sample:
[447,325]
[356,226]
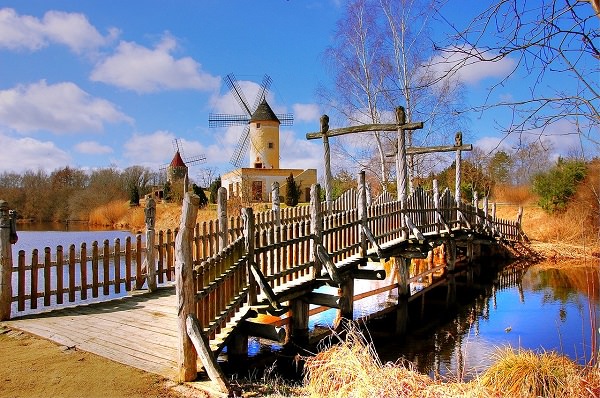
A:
[261,131]
[177,170]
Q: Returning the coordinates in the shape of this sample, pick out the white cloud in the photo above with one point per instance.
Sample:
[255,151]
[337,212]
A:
[299,153]
[462,64]
[31,154]
[92,148]
[30,33]
[156,149]
[145,70]
[306,112]
[59,108]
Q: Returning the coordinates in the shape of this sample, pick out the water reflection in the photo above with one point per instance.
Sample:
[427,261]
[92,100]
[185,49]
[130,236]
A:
[543,308]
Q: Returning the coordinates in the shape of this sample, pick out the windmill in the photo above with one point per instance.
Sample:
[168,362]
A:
[177,169]
[226,120]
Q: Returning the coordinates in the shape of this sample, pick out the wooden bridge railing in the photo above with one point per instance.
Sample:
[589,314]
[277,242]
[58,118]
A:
[66,277]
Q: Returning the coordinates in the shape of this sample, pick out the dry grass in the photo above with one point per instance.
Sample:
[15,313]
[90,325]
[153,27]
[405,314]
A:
[109,214]
[351,368]
[525,373]
[518,195]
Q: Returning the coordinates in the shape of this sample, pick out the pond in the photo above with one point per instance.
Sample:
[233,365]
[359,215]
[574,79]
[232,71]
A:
[41,235]
[546,307]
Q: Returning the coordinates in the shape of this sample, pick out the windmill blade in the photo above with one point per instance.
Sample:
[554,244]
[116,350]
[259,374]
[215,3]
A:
[194,160]
[176,146]
[241,148]
[237,92]
[264,87]
[224,120]
[286,119]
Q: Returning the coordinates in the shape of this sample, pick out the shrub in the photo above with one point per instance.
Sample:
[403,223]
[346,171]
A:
[292,192]
[200,192]
[559,184]
[214,188]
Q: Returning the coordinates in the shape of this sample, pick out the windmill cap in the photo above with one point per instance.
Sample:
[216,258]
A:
[264,113]
[177,161]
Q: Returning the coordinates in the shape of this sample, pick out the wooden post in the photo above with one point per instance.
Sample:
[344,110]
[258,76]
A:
[362,212]
[458,143]
[222,215]
[436,204]
[316,227]
[149,263]
[401,167]
[346,294]
[276,204]
[327,158]
[403,295]
[184,286]
[5,262]
[250,233]
[299,321]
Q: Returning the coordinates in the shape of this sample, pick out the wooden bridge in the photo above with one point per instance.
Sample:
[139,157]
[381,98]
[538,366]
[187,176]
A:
[229,270]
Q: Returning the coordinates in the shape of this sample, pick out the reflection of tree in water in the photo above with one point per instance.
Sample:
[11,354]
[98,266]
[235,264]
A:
[563,282]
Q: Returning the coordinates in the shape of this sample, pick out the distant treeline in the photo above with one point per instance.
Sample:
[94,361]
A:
[70,193]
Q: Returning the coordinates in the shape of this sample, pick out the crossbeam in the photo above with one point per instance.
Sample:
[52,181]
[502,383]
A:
[363,128]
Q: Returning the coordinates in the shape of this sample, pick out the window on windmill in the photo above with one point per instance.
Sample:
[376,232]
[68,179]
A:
[270,145]
[257,125]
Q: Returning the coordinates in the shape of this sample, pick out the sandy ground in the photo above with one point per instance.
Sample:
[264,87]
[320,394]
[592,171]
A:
[33,367]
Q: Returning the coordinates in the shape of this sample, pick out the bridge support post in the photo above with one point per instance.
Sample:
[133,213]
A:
[184,287]
[237,348]
[402,265]
[450,266]
[299,321]
[346,293]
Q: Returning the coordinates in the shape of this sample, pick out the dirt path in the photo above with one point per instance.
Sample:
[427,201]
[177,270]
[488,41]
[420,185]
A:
[33,367]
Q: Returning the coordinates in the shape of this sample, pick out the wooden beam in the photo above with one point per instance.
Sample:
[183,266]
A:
[365,128]
[369,234]
[205,353]
[264,286]
[323,299]
[263,331]
[329,265]
[419,150]
[369,274]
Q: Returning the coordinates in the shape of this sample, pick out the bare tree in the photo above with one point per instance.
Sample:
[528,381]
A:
[355,61]
[556,42]
[410,82]
[379,60]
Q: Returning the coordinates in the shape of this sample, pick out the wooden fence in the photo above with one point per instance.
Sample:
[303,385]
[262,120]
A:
[62,277]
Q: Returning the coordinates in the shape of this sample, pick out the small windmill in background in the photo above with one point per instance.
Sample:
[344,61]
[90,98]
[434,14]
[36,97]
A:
[226,120]
[177,170]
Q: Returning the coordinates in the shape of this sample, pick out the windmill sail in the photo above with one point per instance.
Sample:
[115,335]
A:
[226,120]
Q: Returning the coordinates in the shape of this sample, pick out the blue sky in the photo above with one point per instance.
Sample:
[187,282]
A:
[98,83]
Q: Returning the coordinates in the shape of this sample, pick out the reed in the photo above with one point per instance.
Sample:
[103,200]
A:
[351,368]
[524,373]
[108,214]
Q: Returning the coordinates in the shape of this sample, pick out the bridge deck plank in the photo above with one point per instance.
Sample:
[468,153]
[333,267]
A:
[139,331]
